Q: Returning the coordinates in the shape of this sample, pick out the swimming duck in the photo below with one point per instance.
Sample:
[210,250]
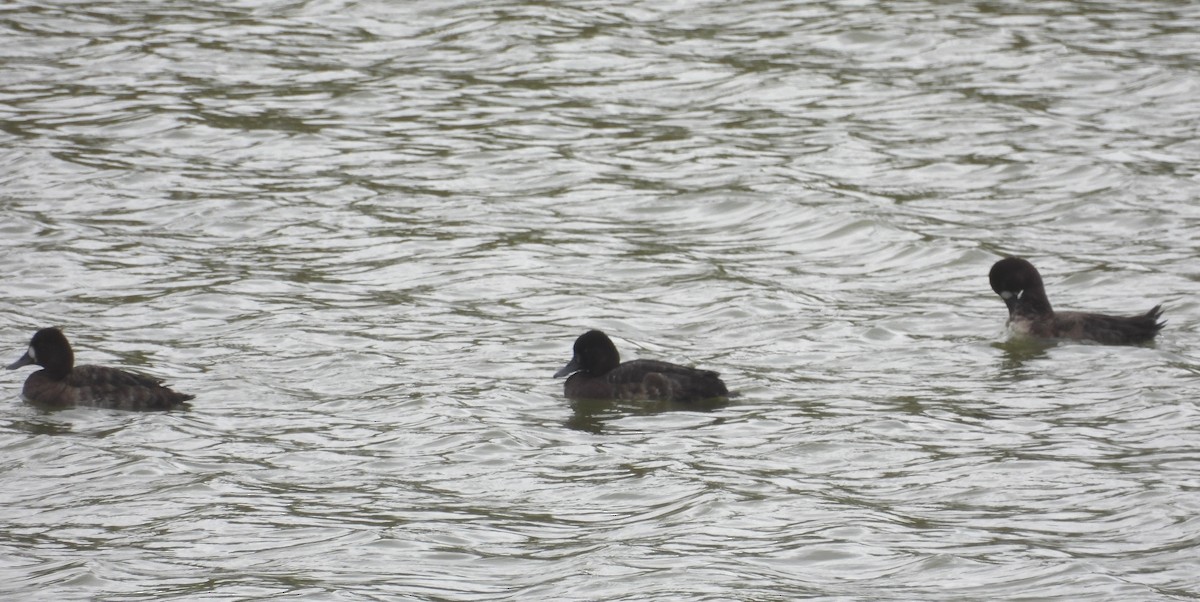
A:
[60,383]
[596,372]
[1029,311]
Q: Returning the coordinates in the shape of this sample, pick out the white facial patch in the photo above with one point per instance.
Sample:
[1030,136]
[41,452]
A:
[1006,295]
[32,353]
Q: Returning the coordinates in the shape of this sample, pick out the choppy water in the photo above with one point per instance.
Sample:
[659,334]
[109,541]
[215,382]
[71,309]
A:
[364,235]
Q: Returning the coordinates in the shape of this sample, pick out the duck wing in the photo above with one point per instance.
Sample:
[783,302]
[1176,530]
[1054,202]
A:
[1110,330]
[663,381]
[122,390]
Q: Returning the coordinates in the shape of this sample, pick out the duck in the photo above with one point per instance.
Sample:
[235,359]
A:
[1019,284]
[595,372]
[61,384]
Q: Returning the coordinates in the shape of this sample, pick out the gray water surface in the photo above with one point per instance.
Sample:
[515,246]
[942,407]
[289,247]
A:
[365,234]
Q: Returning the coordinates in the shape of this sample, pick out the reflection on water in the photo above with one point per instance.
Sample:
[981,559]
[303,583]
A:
[592,416]
[39,427]
[1019,349]
[364,234]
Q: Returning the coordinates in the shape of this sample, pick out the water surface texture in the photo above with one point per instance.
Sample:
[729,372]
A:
[365,234]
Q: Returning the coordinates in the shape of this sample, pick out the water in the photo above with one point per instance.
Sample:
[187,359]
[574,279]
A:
[364,235]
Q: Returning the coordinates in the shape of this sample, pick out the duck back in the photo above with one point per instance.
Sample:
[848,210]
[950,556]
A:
[655,380]
[99,386]
[1108,330]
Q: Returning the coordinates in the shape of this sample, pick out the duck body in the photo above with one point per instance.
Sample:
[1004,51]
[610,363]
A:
[1020,285]
[596,373]
[1100,328]
[61,384]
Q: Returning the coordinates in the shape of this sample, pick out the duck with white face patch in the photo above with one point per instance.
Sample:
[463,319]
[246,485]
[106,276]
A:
[60,383]
[1019,284]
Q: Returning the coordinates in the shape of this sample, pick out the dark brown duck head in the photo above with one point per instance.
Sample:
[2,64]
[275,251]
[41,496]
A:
[1020,286]
[50,350]
[594,355]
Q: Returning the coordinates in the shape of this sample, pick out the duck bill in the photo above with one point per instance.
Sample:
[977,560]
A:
[1010,301]
[24,361]
[571,367]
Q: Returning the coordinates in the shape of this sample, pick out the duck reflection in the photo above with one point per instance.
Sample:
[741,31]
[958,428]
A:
[1018,350]
[591,415]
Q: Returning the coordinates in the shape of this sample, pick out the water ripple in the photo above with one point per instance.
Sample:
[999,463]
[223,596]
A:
[365,235]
